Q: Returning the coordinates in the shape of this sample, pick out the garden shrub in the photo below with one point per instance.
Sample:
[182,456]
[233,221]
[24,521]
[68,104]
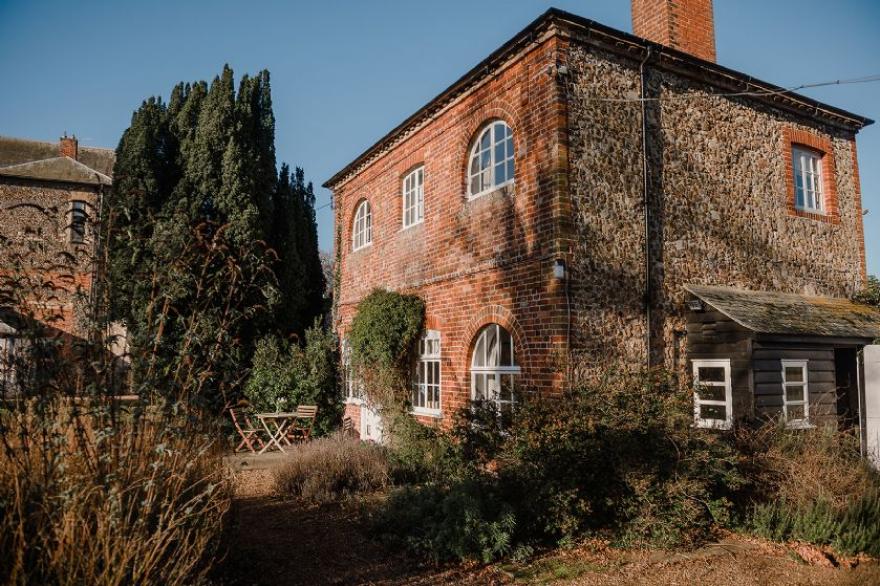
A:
[285,375]
[332,468]
[418,453]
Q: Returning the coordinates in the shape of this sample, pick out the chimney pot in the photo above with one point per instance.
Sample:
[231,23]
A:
[686,25]
[68,146]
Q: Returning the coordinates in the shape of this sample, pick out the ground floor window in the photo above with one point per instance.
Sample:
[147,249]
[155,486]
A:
[713,396]
[352,389]
[426,378]
[494,370]
[795,393]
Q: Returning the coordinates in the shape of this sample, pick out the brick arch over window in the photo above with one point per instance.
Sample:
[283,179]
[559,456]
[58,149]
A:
[496,314]
[475,122]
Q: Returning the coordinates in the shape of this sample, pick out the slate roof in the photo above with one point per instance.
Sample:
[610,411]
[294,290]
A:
[622,42]
[768,312]
[57,169]
[39,160]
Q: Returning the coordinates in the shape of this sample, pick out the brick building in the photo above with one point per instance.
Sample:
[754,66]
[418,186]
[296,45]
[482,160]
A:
[49,197]
[587,199]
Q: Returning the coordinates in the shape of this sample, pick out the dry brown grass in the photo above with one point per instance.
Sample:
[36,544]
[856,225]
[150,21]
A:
[331,468]
[90,498]
[804,466]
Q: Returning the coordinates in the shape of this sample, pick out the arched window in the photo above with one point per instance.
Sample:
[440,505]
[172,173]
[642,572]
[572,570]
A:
[362,231]
[491,159]
[493,367]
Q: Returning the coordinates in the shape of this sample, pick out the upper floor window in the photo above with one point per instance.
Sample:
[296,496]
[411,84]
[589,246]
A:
[807,165]
[491,159]
[414,198]
[78,219]
[493,367]
[362,231]
[426,380]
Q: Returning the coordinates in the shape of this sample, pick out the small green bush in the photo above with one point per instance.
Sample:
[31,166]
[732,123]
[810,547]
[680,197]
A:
[467,520]
[332,468]
[418,453]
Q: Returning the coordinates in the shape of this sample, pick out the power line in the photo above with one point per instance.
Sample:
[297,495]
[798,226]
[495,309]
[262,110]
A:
[854,80]
[865,79]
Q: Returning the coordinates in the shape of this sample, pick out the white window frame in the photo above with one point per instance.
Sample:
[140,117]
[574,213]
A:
[513,370]
[352,388]
[414,198]
[809,190]
[804,365]
[78,214]
[426,383]
[485,173]
[7,363]
[727,403]
[362,227]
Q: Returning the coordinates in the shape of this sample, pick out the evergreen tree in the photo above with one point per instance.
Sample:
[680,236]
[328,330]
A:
[209,248]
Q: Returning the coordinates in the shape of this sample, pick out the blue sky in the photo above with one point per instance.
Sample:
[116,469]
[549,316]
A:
[346,72]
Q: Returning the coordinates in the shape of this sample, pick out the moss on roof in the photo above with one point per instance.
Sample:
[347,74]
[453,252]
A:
[790,314]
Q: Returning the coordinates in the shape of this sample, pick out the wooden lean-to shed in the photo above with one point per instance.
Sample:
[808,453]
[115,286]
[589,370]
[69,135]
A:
[766,355]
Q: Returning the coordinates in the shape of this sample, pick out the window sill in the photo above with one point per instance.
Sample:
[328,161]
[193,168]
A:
[413,225]
[362,248]
[434,413]
[799,425]
[352,401]
[506,186]
[716,425]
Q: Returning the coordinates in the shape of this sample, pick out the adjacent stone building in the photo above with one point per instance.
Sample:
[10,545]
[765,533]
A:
[50,194]
[574,202]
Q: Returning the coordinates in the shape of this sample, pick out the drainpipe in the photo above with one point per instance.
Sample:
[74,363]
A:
[863,432]
[647,209]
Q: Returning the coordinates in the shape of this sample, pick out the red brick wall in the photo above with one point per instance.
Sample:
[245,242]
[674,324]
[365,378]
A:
[480,261]
[687,25]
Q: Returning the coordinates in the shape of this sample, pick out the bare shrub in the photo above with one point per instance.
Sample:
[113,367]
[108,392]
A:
[332,468]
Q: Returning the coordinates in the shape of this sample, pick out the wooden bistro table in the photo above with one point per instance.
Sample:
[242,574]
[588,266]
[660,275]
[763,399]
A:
[276,425]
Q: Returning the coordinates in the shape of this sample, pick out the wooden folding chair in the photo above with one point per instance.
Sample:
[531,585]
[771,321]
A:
[246,430]
[301,430]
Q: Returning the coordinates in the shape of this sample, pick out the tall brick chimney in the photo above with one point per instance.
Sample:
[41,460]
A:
[68,146]
[686,25]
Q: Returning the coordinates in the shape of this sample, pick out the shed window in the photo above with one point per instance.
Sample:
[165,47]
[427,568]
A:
[493,368]
[414,198]
[713,396]
[426,379]
[362,231]
[795,393]
[78,219]
[491,159]
[7,364]
[807,165]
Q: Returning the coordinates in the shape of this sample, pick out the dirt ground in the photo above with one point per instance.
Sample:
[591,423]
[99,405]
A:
[280,542]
